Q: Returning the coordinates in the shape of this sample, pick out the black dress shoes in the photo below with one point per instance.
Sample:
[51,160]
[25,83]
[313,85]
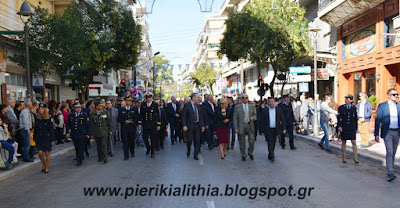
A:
[87,154]
[188,153]
[321,146]
[196,158]
[148,152]
[126,158]
[105,161]
[243,158]
[30,160]
[293,148]
[152,156]
[78,163]
[251,157]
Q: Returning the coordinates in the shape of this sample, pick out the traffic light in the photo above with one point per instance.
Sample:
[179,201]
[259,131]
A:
[259,81]
[122,88]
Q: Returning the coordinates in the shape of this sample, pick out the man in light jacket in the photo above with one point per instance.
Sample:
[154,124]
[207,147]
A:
[324,112]
[11,116]
[364,111]
[25,124]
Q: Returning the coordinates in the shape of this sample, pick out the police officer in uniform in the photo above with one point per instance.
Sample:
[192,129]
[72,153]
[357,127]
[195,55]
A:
[100,128]
[348,125]
[128,118]
[78,129]
[150,122]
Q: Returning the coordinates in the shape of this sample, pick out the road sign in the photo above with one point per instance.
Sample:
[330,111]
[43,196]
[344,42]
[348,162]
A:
[37,80]
[261,92]
[322,74]
[300,69]
[303,87]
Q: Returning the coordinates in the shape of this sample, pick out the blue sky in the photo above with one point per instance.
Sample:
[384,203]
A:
[175,26]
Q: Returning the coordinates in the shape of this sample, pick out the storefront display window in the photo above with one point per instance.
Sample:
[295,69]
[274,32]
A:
[371,82]
[390,38]
[357,86]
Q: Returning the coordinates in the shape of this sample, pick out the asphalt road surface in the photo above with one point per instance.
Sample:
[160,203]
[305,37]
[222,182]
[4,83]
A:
[306,177]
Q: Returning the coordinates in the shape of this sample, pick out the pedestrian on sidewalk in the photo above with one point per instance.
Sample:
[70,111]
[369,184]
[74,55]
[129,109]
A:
[7,146]
[324,112]
[364,109]
[43,136]
[25,125]
[347,123]
[388,117]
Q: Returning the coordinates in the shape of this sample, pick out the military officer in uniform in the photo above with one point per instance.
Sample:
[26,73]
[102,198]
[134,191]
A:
[348,125]
[128,117]
[78,129]
[150,122]
[100,129]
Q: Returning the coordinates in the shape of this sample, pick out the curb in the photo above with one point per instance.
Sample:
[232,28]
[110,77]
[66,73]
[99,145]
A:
[22,168]
[373,157]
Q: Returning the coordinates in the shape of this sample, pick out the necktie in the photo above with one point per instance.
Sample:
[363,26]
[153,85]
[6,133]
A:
[246,113]
[196,113]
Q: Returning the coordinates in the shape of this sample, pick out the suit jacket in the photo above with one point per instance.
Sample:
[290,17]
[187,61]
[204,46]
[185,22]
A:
[383,118]
[172,119]
[13,118]
[238,117]
[367,111]
[210,113]
[188,116]
[347,118]
[287,113]
[113,114]
[163,119]
[265,123]
[219,121]
[149,117]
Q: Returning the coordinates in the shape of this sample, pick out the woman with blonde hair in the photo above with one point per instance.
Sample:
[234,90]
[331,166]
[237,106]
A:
[224,116]
[43,135]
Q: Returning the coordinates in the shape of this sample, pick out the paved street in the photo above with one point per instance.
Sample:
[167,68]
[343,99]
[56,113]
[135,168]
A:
[335,184]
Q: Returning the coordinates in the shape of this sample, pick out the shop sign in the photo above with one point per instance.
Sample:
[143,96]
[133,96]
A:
[299,69]
[322,74]
[359,43]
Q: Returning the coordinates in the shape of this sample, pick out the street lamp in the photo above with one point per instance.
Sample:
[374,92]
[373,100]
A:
[314,29]
[26,12]
[154,76]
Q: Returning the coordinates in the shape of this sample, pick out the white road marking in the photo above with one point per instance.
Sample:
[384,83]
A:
[210,204]
[201,162]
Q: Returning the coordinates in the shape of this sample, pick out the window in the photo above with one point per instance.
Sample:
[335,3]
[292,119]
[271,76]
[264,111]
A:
[390,40]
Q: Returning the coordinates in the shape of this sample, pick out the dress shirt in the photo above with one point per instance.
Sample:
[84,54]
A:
[361,110]
[272,117]
[394,121]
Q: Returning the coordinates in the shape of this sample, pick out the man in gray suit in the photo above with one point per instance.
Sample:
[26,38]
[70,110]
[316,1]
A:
[113,114]
[243,120]
[11,116]
[304,114]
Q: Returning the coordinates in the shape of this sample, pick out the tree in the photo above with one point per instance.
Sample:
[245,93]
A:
[87,38]
[163,74]
[267,33]
[204,77]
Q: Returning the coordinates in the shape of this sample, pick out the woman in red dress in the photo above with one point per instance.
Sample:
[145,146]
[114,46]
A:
[224,116]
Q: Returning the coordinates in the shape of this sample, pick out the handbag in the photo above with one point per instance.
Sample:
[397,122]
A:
[215,140]
[33,143]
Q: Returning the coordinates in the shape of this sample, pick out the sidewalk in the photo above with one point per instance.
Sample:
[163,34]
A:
[375,152]
[21,166]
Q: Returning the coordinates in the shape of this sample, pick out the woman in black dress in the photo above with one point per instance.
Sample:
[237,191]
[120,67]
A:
[43,135]
[347,125]
[224,116]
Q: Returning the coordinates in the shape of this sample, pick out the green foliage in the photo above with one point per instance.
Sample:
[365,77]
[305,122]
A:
[373,100]
[204,77]
[267,33]
[88,38]
[161,74]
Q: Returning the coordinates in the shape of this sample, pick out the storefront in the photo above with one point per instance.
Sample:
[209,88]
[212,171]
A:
[369,53]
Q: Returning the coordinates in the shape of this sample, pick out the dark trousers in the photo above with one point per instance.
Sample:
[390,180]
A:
[209,136]
[194,136]
[128,137]
[160,137]
[101,147]
[79,143]
[270,136]
[174,132]
[59,135]
[19,140]
[150,134]
[289,129]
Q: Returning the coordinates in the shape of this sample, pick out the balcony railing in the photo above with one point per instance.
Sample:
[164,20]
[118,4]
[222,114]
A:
[9,19]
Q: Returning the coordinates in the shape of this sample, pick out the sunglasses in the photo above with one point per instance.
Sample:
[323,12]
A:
[395,95]
[245,97]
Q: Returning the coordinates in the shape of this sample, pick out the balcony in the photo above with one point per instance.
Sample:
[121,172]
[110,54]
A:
[337,12]
[9,20]
[142,22]
[228,7]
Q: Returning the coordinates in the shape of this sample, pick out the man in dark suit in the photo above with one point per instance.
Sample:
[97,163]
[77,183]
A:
[173,117]
[287,109]
[164,125]
[388,118]
[209,109]
[272,124]
[128,117]
[192,122]
[149,121]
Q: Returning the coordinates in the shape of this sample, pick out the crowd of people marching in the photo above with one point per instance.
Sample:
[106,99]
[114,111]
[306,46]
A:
[32,127]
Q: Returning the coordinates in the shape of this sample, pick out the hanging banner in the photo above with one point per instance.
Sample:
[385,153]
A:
[187,66]
[37,80]
[179,66]
[204,66]
[212,65]
[172,66]
[195,66]
[359,43]
[148,67]
[220,65]
[163,66]
[3,60]
[156,66]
